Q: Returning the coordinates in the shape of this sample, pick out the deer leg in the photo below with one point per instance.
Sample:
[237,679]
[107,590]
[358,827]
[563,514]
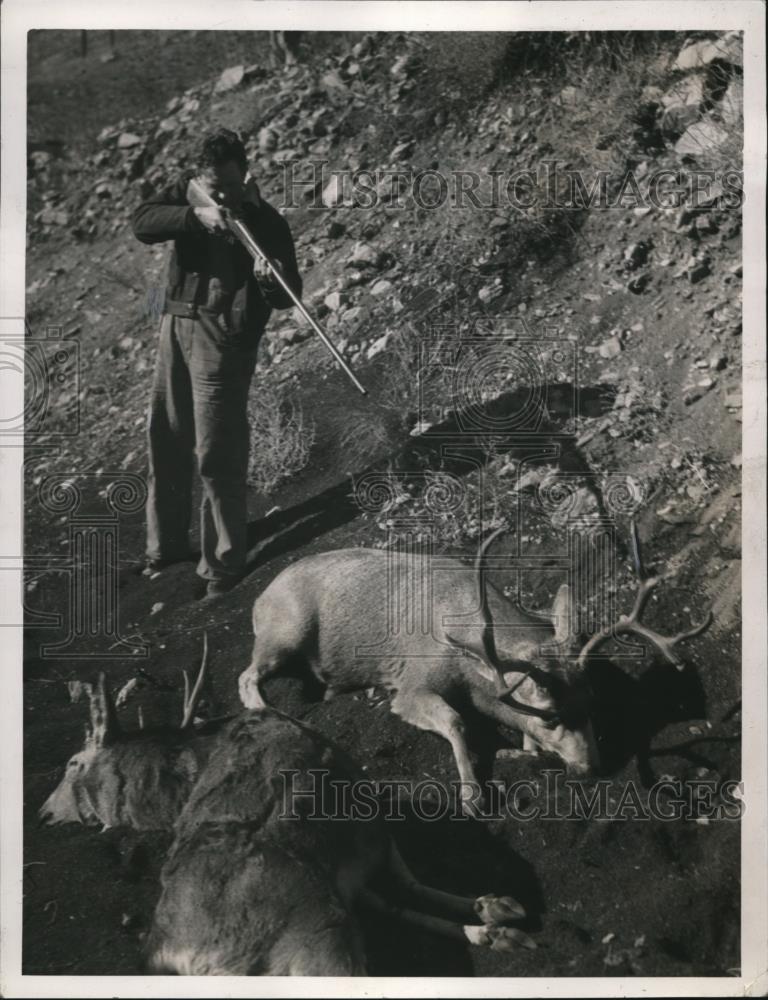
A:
[493,708]
[265,661]
[492,936]
[427,710]
[489,909]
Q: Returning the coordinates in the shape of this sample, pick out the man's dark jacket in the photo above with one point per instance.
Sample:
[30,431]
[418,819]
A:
[211,274]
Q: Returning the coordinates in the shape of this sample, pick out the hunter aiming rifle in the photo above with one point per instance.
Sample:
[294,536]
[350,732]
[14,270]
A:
[198,197]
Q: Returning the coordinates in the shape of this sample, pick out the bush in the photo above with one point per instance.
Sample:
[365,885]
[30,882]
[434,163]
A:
[281,439]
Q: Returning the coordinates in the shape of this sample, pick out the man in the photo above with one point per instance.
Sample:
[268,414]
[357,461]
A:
[217,304]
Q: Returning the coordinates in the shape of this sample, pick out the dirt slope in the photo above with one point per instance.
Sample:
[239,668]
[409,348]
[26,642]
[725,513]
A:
[646,298]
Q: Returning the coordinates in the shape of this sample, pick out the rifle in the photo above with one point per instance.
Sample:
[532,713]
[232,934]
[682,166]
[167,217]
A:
[198,197]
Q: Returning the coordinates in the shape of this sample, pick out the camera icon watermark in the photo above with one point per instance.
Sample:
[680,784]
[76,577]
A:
[42,372]
[500,379]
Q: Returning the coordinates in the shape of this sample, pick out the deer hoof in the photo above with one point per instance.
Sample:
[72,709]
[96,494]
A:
[498,909]
[508,938]
[498,938]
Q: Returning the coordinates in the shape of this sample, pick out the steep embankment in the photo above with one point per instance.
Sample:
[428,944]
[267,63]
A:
[635,300]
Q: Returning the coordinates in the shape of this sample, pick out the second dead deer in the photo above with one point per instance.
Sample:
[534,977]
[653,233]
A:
[256,882]
[358,618]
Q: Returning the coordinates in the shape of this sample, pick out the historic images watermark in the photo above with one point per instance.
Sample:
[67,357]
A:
[313,795]
[550,186]
[518,395]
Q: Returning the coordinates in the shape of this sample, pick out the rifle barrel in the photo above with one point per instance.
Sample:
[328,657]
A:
[246,238]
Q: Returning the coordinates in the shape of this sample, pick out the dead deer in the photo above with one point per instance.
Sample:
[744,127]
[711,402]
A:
[140,779]
[350,615]
[256,881]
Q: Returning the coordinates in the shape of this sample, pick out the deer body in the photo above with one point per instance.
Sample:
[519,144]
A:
[247,889]
[359,618]
[262,877]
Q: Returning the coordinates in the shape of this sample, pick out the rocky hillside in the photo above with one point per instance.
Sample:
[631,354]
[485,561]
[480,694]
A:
[609,240]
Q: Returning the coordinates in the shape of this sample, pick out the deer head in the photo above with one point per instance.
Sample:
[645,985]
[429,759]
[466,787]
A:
[546,683]
[140,779]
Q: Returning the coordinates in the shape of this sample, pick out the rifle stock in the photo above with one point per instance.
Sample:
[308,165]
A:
[198,197]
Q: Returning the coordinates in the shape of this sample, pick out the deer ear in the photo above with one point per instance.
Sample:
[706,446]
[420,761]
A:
[562,613]
[105,728]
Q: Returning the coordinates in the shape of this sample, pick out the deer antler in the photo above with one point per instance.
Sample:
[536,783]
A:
[191,700]
[630,624]
[488,642]
[487,638]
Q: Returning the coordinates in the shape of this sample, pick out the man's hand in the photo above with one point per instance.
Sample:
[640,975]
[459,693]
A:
[212,218]
[261,269]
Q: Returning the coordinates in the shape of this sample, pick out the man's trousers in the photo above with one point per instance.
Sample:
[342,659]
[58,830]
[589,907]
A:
[198,410]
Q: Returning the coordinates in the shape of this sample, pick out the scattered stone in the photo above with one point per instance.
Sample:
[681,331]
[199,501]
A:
[352,315]
[231,77]
[128,140]
[336,229]
[401,150]
[701,139]
[733,401]
[727,49]
[333,192]
[267,140]
[362,254]
[697,269]
[703,226]
[610,348]
[489,292]
[294,334]
[718,361]
[378,346]
[571,96]
[335,300]
[50,216]
[682,104]
[401,67]
[40,159]
[286,155]
[381,287]
[420,428]
[732,104]
[157,607]
[636,254]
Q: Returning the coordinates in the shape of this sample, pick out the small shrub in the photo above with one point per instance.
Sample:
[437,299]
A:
[281,438]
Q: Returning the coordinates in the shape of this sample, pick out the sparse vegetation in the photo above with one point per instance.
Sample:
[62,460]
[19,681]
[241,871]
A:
[281,437]
[647,301]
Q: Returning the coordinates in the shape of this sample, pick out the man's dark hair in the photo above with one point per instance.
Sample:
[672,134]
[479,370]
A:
[223,146]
